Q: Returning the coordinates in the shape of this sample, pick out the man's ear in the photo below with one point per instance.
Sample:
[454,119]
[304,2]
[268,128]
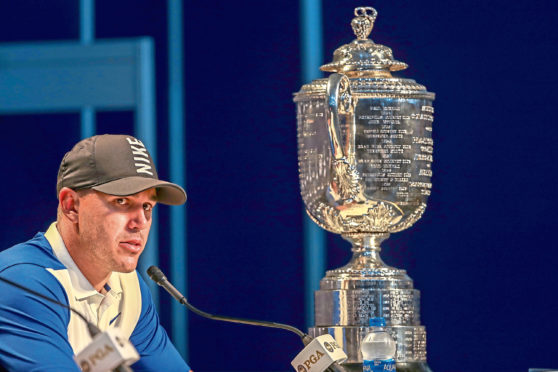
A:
[69,204]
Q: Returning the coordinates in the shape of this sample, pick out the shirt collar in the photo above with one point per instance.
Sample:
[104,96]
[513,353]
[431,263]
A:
[82,289]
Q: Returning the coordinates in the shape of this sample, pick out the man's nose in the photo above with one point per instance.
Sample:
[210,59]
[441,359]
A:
[138,219]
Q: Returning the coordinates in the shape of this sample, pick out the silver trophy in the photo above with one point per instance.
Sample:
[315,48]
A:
[365,154]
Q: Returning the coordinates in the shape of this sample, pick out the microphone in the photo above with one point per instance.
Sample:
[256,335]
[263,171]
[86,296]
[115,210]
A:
[320,354]
[315,346]
[99,338]
[108,351]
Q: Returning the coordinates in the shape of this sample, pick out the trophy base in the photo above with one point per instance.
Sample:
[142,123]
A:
[366,288]
[410,341]
[400,367]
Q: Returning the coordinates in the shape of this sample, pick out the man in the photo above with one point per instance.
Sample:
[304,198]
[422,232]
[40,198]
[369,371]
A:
[107,188]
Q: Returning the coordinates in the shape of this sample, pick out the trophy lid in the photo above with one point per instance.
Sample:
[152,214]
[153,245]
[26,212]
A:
[362,57]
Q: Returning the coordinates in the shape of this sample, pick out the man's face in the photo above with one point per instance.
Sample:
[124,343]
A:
[113,230]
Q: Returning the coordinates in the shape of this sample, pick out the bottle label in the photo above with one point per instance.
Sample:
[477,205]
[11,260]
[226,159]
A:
[379,365]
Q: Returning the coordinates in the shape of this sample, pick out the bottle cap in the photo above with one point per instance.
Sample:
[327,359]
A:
[377,322]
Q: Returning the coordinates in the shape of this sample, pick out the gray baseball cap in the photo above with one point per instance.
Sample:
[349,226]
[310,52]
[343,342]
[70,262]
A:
[116,165]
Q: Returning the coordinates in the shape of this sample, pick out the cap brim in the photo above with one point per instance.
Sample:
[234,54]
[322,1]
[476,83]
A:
[167,193]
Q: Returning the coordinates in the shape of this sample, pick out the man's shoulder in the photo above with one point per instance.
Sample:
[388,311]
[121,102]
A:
[32,253]
[27,264]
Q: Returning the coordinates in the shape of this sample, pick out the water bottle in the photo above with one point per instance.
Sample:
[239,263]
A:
[378,348]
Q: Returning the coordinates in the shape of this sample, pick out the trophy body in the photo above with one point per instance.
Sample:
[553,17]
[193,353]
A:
[365,154]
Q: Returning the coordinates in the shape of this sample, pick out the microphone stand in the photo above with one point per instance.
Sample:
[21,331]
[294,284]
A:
[160,279]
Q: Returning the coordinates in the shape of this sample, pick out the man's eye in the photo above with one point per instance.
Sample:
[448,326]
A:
[121,201]
[147,207]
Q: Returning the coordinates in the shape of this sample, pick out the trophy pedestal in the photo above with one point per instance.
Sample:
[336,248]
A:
[349,338]
[366,288]
[401,367]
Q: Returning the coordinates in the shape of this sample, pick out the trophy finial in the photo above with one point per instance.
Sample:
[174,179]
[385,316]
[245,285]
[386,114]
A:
[363,22]
[362,57]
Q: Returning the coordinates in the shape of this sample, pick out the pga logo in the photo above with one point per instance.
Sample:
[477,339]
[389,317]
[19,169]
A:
[308,363]
[331,346]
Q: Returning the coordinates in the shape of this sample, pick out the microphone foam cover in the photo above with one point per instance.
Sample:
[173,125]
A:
[156,274]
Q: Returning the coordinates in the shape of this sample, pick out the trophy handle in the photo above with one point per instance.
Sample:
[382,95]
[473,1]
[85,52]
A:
[345,184]
[338,93]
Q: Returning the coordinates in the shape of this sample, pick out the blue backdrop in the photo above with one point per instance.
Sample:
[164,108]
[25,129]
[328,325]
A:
[483,256]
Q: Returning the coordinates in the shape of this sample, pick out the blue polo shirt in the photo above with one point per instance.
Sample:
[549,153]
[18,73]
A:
[37,335]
